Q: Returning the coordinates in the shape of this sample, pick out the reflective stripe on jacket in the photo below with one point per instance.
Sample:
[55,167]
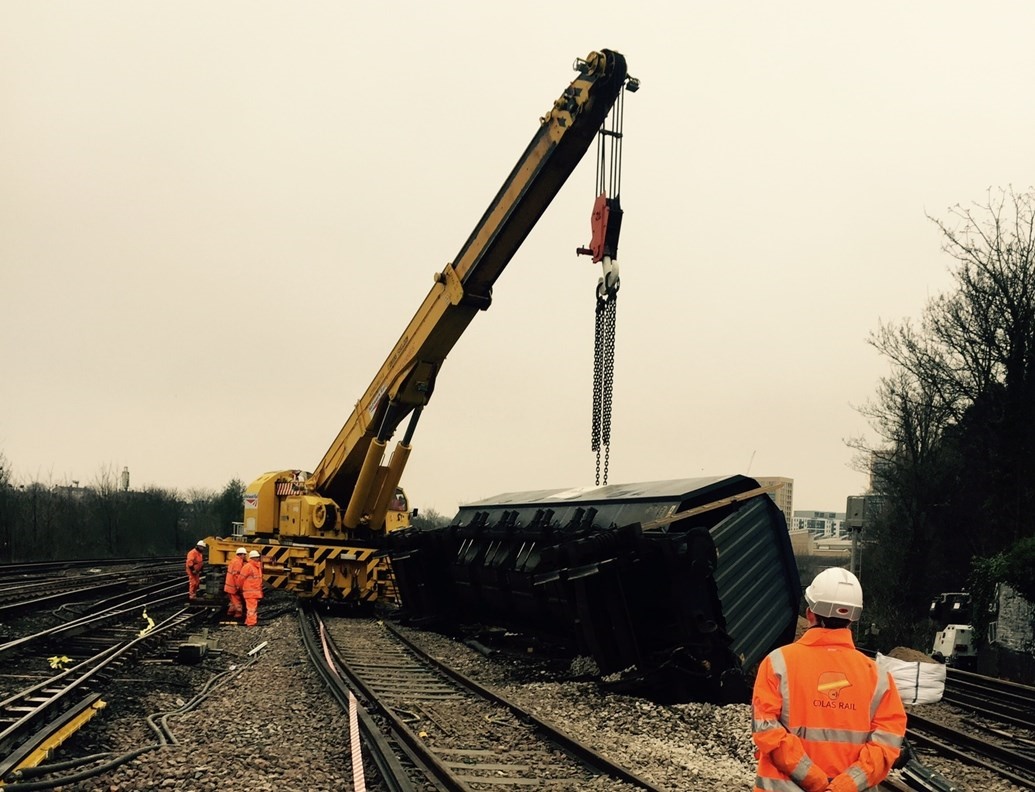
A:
[232,584]
[822,710]
[195,561]
[251,580]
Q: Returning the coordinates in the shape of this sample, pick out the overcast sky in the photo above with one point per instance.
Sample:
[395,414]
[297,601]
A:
[216,218]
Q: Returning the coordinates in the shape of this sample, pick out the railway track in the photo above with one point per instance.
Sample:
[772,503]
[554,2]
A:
[42,714]
[1009,762]
[58,676]
[455,733]
[47,569]
[125,612]
[998,700]
[32,594]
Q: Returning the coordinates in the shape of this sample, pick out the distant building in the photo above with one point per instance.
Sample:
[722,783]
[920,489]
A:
[819,552]
[820,524]
[783,495]
[72,490]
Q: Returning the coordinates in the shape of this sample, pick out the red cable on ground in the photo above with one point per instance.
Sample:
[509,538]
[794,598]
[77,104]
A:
[359,781]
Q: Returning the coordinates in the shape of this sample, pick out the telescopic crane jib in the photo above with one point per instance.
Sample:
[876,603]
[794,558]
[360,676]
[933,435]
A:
[321,531]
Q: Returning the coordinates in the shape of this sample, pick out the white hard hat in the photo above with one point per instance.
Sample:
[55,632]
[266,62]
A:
[241,551]
[835,593]
[253,554]
[201,543]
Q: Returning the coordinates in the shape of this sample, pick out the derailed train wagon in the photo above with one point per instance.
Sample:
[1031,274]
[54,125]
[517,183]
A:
[679,585]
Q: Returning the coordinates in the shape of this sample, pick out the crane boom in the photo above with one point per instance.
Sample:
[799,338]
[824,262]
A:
[406,380]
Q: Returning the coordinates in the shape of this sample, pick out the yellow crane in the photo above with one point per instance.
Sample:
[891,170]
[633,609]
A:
[320,533]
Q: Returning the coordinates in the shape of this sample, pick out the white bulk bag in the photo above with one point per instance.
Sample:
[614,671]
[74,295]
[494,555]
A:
[917,682]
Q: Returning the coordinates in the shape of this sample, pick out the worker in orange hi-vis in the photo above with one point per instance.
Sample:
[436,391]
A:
[232,584]
[195,563]
[251,587]
[824,716]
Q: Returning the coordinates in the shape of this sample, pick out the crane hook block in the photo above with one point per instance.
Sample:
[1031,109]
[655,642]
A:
[606,225]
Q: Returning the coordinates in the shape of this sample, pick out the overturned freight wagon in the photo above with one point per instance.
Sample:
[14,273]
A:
[680,585]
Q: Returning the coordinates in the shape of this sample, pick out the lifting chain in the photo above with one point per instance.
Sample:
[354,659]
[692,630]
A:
[603,380]
[606,223]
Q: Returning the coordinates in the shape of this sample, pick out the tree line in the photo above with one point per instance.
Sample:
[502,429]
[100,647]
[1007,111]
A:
[48,522]
[45,522]
[954,462]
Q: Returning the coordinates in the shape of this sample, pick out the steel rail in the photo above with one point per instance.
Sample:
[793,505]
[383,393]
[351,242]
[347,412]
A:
[410,743]
[965,747]
[26,715]
[412,678]
[998,699]
[47,567]
[380,749]
[552,731]
[110,613]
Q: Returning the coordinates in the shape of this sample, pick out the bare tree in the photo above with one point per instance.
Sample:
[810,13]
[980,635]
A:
[988,326]
[956,416]
[105,491]
[6,507]
[430,518]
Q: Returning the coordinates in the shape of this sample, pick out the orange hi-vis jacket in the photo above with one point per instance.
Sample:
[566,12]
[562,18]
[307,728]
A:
[195,561]
[824,717]
[232,584]
[251,580]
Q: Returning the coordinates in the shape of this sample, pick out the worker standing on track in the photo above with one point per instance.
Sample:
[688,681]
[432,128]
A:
[195,563]
[251,587]
[824,717]
[232,584]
